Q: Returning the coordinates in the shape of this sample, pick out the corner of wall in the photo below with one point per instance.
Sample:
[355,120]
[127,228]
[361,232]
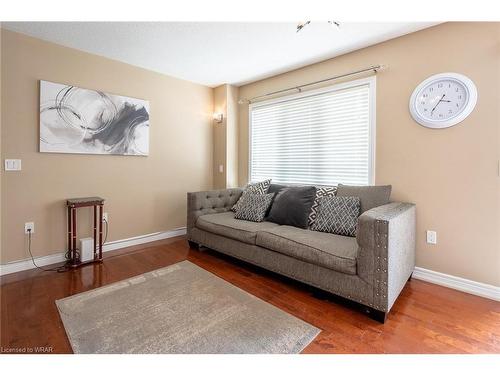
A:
[226,137]
[1,156]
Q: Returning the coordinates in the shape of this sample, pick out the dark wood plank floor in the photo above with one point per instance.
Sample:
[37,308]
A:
[425,319]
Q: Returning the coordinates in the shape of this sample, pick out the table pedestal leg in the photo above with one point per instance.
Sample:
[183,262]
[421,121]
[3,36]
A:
[75,257]
[70,243]
[95,232]
[100,232]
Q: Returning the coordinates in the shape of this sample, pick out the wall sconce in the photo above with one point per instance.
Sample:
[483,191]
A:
[218,117]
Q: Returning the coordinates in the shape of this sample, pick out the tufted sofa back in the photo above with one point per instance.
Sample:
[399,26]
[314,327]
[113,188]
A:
[210,202]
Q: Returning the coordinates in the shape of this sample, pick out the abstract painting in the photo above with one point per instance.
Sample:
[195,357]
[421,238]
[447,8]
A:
[82,121]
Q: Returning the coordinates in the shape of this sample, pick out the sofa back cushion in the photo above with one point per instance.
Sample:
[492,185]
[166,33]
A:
[370,196]
[292,206]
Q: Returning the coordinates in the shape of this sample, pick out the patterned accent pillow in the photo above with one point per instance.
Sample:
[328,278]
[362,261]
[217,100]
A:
[254,207]
[255,188]
[321,191]
[338,215]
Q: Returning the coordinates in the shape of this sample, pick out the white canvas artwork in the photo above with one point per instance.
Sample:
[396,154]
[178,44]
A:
[76,120]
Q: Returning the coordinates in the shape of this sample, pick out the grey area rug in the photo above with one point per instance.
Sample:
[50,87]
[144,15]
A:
[179,309]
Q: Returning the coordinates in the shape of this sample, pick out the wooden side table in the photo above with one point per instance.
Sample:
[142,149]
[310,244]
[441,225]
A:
[73,205]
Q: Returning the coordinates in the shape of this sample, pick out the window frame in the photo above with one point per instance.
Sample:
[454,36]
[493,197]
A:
[370,81]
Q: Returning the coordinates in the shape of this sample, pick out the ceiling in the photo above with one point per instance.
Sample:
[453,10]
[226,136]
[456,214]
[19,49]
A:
[214,53]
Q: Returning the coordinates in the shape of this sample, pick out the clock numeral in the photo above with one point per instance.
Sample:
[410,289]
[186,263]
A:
[440,85]
[422,102]
[450,111]
[425,95]
[459,96]
[431,89]
[440,115]
[425,109]
[456,90]
[457,104]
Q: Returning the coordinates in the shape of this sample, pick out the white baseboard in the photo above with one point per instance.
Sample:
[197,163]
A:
[26,264]
[458,283]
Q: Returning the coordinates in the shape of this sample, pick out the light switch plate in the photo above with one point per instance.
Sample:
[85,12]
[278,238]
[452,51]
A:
[221,168]
[431,237]
[12,164]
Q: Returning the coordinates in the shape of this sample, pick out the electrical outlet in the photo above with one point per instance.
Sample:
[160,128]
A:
[431,237]
[28,226]
[105,217]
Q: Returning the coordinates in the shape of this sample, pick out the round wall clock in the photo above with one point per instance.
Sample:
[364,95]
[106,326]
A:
[443,100]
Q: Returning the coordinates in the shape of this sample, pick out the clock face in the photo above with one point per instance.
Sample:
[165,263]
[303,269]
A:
[443,100]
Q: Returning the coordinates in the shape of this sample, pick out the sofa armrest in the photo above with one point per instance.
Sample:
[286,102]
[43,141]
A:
[209,202]
[386,258]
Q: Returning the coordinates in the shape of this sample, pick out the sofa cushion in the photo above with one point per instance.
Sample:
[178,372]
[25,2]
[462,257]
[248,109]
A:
[292,206]
[324,249]
[224,224]
[321,191]
[254,207]
[276,188]
[337,215]
[370,196]
[253,188]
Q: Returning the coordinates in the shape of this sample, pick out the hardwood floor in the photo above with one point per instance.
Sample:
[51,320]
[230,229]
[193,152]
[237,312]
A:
[425,319]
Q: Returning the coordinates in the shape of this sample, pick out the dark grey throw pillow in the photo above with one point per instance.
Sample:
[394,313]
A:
[253,188]
[253,207]
[370,196]
[338,215]
[276,188]
[292,206]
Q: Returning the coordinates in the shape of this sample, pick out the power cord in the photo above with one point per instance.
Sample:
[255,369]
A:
[107,228]
[62,268]
[67,255]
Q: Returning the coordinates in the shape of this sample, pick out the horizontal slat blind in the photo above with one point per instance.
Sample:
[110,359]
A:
[319,139]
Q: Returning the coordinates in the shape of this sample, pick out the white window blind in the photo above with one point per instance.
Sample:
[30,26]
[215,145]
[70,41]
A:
[319,138]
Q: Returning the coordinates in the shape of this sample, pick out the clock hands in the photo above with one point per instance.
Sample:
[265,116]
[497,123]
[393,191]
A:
[440,100]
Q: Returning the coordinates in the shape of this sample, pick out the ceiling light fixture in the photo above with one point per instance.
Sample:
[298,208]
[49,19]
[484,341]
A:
[303,24]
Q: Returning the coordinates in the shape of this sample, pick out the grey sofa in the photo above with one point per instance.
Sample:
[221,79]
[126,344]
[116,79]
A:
[370,269]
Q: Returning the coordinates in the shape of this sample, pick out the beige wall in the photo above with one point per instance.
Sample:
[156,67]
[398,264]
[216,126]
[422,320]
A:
[219,143]
[232,137]
[226,137]
[451,174]
[1,174]
[143,194]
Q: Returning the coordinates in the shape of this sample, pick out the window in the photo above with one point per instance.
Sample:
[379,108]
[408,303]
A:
[321,137]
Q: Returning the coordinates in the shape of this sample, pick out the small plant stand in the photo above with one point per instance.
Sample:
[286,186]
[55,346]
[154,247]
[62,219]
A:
[73,204]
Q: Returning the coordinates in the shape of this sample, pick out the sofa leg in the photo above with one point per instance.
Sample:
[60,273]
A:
[379,316]
[193,245]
